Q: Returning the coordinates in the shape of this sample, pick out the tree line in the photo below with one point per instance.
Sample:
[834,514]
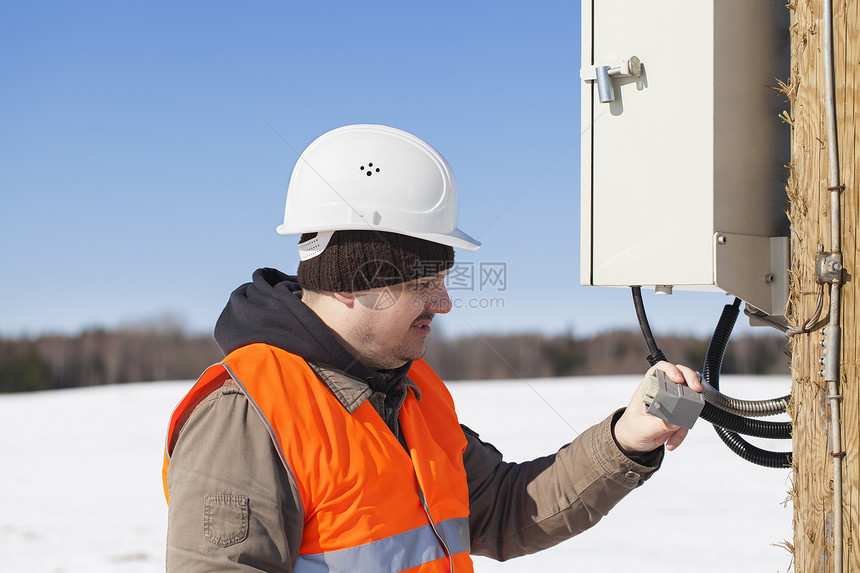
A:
[534,355]
[99,356]
[165,352]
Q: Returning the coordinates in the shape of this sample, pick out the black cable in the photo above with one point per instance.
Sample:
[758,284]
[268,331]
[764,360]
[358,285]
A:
[753,454]
[747,426]
[727,425]
[656,354]
[711,373]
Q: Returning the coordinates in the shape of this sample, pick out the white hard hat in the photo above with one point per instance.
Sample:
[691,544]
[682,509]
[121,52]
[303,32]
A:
[372,177]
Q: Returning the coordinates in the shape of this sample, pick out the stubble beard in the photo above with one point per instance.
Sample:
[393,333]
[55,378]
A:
[408,349]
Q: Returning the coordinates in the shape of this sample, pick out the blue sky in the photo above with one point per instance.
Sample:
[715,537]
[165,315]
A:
[146,149]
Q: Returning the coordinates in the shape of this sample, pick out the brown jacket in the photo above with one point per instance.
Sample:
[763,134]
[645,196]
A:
[515,509]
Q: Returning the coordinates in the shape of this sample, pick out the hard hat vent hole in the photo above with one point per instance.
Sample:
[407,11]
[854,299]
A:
[369,169]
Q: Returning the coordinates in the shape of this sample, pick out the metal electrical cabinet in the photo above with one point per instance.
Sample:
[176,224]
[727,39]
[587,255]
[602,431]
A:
[683,150]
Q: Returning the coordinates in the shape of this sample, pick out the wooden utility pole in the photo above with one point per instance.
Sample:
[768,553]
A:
[816,539]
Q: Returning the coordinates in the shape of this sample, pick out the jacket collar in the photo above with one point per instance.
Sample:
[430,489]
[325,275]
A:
[351,392]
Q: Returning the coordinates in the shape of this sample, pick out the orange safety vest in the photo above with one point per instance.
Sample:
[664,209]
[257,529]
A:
[368,504]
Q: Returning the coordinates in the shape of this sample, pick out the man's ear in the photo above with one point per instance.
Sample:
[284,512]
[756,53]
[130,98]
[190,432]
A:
[345,298]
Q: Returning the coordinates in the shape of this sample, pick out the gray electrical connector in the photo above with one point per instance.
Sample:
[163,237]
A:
[675,403]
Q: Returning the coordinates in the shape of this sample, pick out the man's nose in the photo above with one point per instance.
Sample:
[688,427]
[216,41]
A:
[439,302]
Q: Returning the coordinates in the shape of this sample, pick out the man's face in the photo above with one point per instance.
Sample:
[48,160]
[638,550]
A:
[394,321]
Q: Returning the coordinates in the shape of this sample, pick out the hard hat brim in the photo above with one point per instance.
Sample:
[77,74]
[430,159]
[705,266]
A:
[456,238]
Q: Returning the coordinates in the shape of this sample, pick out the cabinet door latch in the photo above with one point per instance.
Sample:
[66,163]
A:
[630,68]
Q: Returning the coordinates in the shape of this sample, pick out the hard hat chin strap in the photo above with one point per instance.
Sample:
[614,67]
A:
[314,246]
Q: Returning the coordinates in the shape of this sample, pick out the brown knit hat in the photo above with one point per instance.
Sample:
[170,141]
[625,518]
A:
[360,260]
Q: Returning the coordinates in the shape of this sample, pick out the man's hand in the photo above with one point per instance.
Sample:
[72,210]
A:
[637,431]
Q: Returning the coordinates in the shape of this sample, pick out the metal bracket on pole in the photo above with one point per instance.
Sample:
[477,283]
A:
[828,268]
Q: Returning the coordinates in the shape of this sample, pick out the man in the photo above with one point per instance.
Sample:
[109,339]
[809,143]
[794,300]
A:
[323,442]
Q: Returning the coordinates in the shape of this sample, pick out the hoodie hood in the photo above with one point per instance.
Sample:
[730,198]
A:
[270,310]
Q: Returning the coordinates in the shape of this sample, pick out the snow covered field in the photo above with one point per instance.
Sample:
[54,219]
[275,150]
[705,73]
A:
[82,486]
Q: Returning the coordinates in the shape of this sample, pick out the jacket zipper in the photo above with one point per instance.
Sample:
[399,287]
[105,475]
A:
[435,531]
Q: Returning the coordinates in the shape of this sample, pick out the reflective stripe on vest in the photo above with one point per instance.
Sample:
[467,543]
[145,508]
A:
[392,554]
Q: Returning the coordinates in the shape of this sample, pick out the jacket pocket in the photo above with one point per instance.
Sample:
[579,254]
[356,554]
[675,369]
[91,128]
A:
[225,519]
